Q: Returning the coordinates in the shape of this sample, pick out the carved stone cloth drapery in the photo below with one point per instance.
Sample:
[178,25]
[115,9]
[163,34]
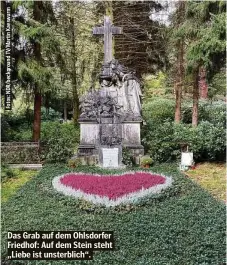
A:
[120,94]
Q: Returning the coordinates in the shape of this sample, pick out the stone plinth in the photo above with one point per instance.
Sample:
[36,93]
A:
[89,133]
[131,133]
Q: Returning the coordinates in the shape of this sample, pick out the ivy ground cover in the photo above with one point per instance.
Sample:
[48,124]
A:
[182,225]
[111,190]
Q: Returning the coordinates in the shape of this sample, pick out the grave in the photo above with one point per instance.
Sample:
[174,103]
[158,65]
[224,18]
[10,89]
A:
[111,116]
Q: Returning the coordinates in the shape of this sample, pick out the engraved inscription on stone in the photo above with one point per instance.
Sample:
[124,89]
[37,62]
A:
[110,157]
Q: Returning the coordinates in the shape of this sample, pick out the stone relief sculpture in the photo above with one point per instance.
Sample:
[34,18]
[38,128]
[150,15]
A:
[120,93]
[123,85]
[94,105]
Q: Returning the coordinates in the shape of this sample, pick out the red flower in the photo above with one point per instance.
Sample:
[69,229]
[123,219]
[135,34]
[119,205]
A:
[112,187]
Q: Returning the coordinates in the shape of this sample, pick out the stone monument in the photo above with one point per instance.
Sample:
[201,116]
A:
[111,116]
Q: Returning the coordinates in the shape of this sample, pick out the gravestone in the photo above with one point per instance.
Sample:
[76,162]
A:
[110,157]
[111,116]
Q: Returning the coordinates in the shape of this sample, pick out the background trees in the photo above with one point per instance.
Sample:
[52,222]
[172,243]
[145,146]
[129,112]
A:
[35,53]
[142,45]
[82,52]
[202,31]
[56,59]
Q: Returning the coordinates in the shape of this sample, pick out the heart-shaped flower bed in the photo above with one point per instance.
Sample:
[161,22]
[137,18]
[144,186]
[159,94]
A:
[111,190]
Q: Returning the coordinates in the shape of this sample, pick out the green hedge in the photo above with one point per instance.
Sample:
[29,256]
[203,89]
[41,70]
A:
[162,137]
[212,112]
[18,126]
[207,141]
[60,141]
[158,110]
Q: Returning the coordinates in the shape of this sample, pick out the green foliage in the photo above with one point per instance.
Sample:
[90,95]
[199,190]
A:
[162,138]
[213,112]
[50,114]
[142,46]
[158,110]
[6,172]
[17,153]
[59,149]
[154,85]
[218,85]
[206,23]
[127,158]
[16,126]
[184,225]
[60,141]
[207,141]
[32,72]
[146,160]
[74,162]
[159,142]
[7,133]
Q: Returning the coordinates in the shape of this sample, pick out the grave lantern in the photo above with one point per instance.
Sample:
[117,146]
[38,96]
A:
[186,157]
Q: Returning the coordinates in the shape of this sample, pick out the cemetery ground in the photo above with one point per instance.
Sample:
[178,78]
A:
[211,176]
[185,224]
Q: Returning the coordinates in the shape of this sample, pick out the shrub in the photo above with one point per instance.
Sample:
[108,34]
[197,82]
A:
[59,141]
[159,142]
[127,158]
[49,115]
[65,130]
[74,162]
[155,85]
[158,110]
[6,132]
[146,160]
[59,149]
[20,153]
[207,141]
[162,138]
[215,112]
[16,127]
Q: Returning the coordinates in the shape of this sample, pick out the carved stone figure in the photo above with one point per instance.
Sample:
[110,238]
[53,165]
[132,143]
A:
[94,105]
[122,85]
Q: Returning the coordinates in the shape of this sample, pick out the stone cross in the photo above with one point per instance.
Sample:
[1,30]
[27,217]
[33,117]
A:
[108,30]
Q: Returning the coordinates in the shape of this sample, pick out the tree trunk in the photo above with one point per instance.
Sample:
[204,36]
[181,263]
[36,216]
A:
[179,81]
[195,98]
[37,117]
[37,97]
[74,74]
[178,94]
[65,110]
[203,87]
[180,66]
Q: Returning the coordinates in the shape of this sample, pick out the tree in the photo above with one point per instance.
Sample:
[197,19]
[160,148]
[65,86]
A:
[204,32]
[37,9]
[39,53]
[177,40]
[81,50]
[142,45]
